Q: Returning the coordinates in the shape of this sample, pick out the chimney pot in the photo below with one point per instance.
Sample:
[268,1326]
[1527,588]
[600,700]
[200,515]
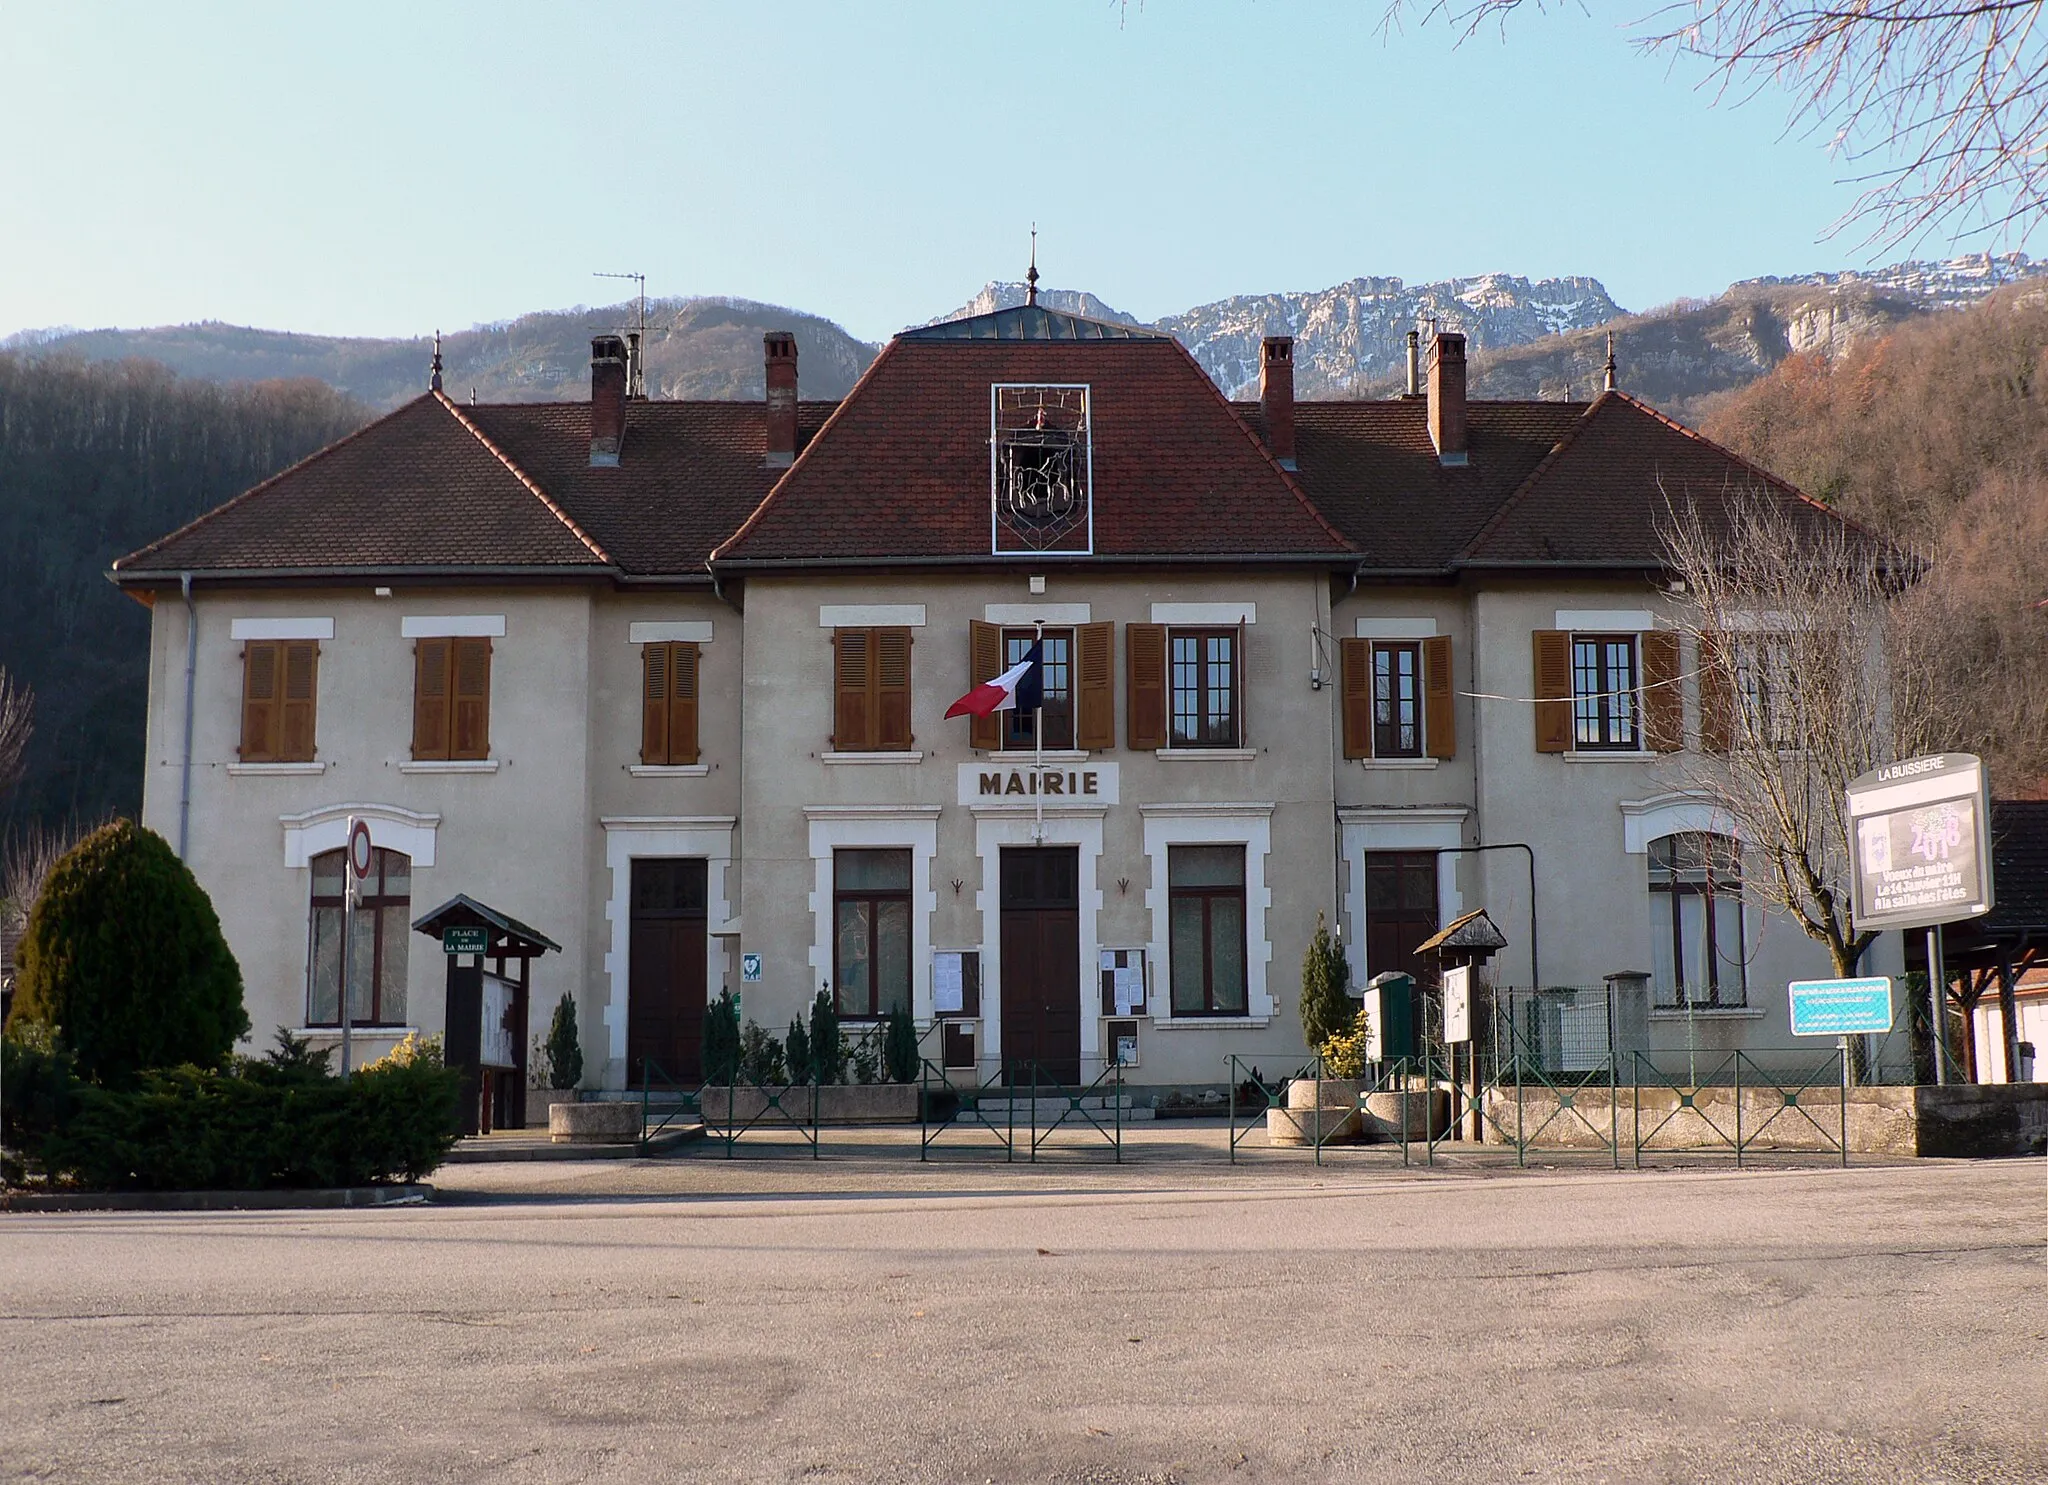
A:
[778,349]
[607,400]
[1447,398]
[1414,363]
[1276,396]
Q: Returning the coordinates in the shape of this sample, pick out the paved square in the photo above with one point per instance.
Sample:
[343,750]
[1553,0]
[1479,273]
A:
[866,1318]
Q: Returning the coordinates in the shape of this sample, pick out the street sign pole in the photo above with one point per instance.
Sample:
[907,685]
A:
[1937,997]
[356,862]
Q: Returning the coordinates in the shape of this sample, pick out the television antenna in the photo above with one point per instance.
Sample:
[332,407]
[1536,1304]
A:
[636,385]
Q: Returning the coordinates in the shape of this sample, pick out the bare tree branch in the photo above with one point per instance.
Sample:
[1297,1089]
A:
[17,725]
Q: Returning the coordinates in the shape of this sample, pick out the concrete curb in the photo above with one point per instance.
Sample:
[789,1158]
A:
[414,1194]
[670,1139]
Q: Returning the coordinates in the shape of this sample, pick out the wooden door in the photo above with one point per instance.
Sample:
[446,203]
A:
[1400,913]
[665,981]
[1041,962]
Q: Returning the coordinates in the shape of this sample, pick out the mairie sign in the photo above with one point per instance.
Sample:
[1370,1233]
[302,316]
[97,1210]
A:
[465,939]
[1022,784]
[1841,1007]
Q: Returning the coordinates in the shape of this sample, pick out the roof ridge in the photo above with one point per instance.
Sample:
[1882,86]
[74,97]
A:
[524,478]
[260,486]
[1345,543]
[797,463]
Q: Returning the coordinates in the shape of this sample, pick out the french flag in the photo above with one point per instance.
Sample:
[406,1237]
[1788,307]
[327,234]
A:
[1020,688]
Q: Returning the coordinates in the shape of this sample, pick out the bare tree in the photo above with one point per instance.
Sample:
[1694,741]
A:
[1941,109]
[1807,679]
[17,725]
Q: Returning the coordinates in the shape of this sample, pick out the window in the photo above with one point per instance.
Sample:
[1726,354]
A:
[451,699]
[1203,682]
[668,703]
[1604,701]
[871,690]
[376,961]
[1205,916]
[1763,678]
[1058,668]
[871,931]
[1696,921]
[1040,469]
[279,686]
[1397,701]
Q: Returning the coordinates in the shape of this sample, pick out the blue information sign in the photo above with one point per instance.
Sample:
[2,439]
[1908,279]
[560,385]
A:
[1841,1007]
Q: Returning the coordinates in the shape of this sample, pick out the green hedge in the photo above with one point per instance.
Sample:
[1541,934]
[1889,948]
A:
[283,1121]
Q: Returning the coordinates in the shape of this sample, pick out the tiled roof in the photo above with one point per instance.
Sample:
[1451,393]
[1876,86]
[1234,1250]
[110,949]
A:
[1031,322]
[1370,467]
[2019,856]
[416,489]
[1605,493]
[688,473]
[902,468]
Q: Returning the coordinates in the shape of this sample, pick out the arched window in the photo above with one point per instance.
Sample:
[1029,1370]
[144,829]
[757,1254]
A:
[377,956]
[1696,926]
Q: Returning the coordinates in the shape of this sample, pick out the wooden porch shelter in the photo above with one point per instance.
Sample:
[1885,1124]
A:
[1993,951]
[487,1036]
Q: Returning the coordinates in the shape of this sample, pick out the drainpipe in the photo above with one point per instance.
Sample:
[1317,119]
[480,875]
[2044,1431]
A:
[191,679]
[1535,962]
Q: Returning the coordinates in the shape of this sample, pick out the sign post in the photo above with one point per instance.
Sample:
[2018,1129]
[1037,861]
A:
[360,859]
[1920,856]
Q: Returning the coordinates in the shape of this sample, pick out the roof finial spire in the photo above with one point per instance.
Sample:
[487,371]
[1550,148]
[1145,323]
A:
[1610,361]
[434,382]
[1031,274]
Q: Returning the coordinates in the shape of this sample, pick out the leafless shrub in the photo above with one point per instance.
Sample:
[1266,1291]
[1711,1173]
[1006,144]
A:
[17,725]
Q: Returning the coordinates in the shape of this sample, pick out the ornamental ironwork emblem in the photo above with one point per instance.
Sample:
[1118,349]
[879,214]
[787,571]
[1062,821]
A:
[1041,469]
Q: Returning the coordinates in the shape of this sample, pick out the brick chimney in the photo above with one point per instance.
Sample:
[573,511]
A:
[778,347]
[607,400]
[1447,397]
[1276,396]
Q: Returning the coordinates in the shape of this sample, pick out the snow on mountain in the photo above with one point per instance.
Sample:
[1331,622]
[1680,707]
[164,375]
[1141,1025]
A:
[1951,283]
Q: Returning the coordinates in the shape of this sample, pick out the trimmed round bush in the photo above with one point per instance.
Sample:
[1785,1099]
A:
[125,961]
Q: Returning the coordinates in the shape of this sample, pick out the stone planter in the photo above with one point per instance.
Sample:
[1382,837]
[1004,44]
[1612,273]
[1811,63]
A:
[540,1102]
[1329,1106]
[1424,1112]
[612,1122]
[857,1103]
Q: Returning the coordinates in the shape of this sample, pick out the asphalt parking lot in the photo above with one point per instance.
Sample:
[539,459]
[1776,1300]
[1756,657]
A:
[867,1318]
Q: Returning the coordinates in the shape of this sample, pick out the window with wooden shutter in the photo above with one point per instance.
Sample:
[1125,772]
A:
[892,691]
[430,710]
[1553,675]
[1145,684]
[301,693]
[984,663]
[259,701]
[1439,699]
[668,703]
[1717,696]
[472,697]
[1355,668]
[1663,698]
[1095,686]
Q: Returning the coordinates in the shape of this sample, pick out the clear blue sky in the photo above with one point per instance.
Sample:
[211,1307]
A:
[386,169]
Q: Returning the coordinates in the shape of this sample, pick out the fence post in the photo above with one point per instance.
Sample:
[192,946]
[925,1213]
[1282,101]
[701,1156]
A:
[1738,1111]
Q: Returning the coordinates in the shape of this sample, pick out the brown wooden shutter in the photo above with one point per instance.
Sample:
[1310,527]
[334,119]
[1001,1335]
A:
[1663,698]
[1553,657]
[853,707]
[682,704]
[1095,686]
[1145,684]
[430,709]
[472,691]
[1717,694]
[654,704]
[301,692]
[892,691]
[1439,698]
[984,663]
[1354,666]
[259,701]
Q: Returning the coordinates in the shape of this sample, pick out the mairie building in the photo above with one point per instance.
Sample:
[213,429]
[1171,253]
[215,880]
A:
[666,682]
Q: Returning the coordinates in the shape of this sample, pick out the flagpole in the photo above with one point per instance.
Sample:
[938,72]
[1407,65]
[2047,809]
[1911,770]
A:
[1038,740]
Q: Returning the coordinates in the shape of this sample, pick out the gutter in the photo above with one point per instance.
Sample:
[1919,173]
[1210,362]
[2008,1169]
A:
[191,686]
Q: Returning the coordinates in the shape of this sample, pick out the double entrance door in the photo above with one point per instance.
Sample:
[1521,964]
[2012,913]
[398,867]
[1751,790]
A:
[665,980]
[1040,907]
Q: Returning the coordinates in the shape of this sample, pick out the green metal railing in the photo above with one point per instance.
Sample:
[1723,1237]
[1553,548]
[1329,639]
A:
[684,1101]
[944,1105]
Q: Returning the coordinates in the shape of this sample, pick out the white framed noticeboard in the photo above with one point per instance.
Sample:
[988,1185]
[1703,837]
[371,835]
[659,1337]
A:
[1123,982]
[496,1047]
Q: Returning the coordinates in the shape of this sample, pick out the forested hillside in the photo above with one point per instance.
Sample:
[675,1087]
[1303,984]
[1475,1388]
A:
[95,460]
[1937,435]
